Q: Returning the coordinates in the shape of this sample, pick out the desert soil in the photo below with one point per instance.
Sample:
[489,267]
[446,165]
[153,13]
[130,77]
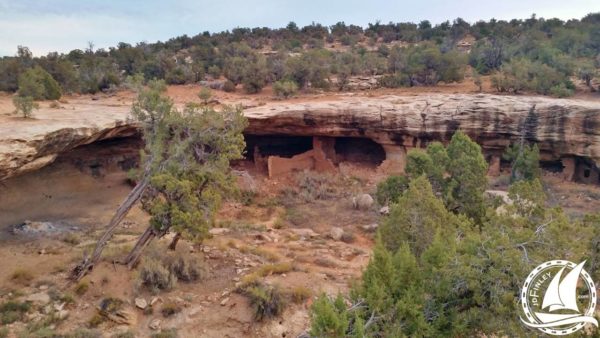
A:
[277,226]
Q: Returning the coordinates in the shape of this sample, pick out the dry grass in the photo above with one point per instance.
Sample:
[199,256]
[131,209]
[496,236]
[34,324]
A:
[114,253]
[274,269]
[325,262]
[81,288]
[71,238]
[299,294]
[22,276]
[169,309]
[160,269]
[262,252]
[155,276]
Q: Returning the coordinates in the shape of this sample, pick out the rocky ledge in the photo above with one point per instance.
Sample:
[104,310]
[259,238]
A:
[563,128]
[29,144]
[560,126]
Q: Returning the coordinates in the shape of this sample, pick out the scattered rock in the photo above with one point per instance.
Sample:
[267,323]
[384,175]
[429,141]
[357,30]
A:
[213,84]
[305,232]
[385,210]
[362,202]
[336,233]
[370,227]
[141,303]
[62,314]
[195,310]
[43,287]
[154,324]
[39,298]
[117,311]
[218,231]
[154,300]
[34,228]
[224,301]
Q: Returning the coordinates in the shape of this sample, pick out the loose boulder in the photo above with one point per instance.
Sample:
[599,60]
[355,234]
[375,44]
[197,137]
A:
[336,233]
[362,202]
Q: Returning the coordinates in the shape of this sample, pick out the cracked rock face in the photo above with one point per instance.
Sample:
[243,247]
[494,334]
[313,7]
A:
[561,127]
[27,145]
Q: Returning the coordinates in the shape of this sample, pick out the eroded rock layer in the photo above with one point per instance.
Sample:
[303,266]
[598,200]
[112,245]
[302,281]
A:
[563,128]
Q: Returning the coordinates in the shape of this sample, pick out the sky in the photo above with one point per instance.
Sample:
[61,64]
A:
[63,25]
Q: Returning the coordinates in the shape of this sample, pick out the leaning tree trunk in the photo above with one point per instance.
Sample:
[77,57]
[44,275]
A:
[135,253]
[88,262]
[174,241]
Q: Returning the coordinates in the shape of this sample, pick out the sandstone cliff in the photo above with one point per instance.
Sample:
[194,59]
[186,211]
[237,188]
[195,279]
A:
[563,128]
[29,144]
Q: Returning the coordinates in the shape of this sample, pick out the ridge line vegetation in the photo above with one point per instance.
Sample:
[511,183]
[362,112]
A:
[536,55]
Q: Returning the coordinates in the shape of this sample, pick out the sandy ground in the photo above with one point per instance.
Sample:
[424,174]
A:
[63,193]
[82,203]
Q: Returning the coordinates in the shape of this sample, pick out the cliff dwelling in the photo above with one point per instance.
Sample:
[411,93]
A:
[280,154]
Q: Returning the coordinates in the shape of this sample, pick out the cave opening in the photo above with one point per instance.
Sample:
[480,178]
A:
[100,157]
[552,166]
[358,150]
[586,171]
[276,145]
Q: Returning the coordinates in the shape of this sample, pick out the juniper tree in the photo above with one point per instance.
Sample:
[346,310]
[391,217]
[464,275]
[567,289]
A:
[436,274]
[205,94]
[190,152]
[24,105]
[525,161]
[457,173]
[467,169]
[184,173]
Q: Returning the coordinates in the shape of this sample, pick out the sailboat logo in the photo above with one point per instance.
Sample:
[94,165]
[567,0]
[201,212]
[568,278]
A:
[559,298]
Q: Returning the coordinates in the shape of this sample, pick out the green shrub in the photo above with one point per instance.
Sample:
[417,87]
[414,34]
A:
[561,90]
[12,311]
[205,94]
[394,81]
[285,88]
[255,74]
[229,86]
[267,301]
[214,71]
[24,105]
[39,84]
[390,190]
[329,318]
[156,276]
